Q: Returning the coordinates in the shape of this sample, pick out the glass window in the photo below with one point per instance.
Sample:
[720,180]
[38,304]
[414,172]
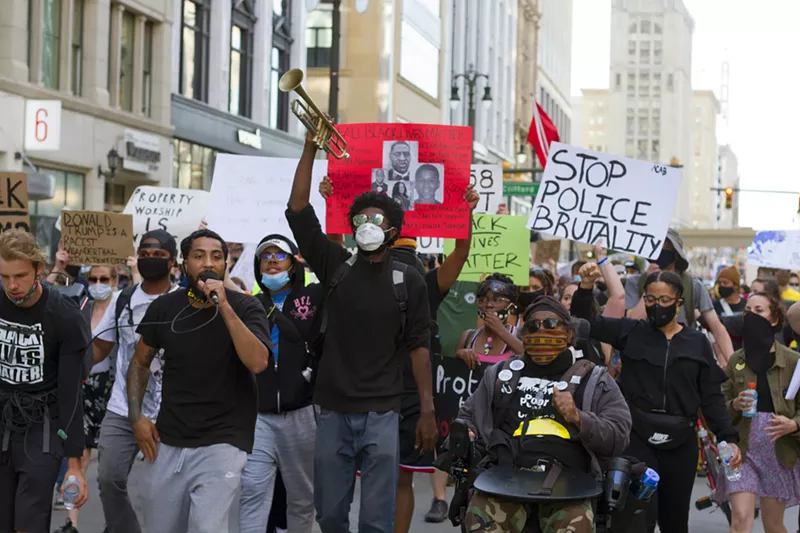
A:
[147,71]
[51,44]
[279,100]
[126,61]
[670,82]
[657,52]
[194,49]
[656,146]
[193,165]
[77,47]
[419,60]
[645,26]
[657,29]
[632,28]
[642,149]
[45,213]
[241,67]
[629,125]
[629,147]
[319,36]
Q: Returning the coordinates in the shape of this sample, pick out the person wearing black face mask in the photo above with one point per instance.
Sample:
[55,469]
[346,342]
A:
[771,470]
[729,302]
[668,375]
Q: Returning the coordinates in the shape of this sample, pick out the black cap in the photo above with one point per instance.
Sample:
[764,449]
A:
[165,241]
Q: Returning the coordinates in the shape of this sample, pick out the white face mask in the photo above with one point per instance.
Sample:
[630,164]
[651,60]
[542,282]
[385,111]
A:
[100,291]
[369,237]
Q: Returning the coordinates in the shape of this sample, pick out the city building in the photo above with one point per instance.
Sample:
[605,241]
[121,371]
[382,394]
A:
[590,121]
[728,177]
[650,92]
[228,58]
[703,174]
[394,61]
[528,18]
[109,65]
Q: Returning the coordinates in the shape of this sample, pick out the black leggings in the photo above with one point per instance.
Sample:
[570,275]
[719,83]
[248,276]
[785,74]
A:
[677,469]
[277,514]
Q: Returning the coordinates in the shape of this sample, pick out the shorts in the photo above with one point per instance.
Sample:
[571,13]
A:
[96,392]
[410,458]
[27,478]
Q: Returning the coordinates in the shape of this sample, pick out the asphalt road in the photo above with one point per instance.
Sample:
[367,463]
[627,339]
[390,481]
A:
[91,516]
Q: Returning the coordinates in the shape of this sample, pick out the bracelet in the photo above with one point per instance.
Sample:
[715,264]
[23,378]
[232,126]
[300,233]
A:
[603,260]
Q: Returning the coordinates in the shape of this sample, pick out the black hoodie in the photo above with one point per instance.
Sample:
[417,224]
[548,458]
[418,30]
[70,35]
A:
[282,386]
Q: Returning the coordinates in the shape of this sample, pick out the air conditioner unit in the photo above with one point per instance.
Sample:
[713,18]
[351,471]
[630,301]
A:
[41,186]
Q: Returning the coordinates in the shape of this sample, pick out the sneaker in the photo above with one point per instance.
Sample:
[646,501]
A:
[59,505]
[438,512]
[66,528]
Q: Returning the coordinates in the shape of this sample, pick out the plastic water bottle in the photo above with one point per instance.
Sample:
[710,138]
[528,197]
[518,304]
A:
[725,455]
[71,491]
[648,485]
[751,413]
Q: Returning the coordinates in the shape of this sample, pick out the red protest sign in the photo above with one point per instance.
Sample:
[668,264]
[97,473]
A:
[425,167]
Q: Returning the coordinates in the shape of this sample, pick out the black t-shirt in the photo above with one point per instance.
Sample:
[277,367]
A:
[735,308]
[209,395]
[435,298]
[535,427]
[362,366]
[42,349]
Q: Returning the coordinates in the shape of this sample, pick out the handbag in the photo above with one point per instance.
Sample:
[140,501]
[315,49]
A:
[660,430]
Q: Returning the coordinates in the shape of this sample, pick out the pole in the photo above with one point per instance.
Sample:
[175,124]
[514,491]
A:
[333,95]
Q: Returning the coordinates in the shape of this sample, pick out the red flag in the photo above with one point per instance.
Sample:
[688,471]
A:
[541,133]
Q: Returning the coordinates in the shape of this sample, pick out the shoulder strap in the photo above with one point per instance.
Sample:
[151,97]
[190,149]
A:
[576,373]
[471,334]
[726,307]
[591,386]
[688,298]
[124,301]
[502,401]
[337,278]
[400,293]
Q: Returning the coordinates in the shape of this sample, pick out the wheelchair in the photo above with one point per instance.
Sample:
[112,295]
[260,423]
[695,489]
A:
[615,495]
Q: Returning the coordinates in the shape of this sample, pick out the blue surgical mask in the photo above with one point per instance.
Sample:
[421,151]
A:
[275,282]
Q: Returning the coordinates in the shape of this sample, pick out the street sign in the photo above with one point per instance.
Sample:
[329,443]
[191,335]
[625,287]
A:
[520,188]
[42,125]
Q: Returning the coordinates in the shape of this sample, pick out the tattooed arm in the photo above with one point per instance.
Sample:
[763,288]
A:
[138,375]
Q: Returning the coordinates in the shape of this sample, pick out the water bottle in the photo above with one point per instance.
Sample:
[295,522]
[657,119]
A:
[725,455]
[751,413]
[648,485]
[71,491]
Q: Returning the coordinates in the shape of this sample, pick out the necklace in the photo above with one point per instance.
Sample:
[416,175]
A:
[488,346]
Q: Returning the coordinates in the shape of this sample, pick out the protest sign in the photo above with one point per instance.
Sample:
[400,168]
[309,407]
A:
[547,251]
[430,245]
[776,249]
[249,195]
[97,237]
[499,244]
[177,211]
[424,167]
[586,196]
[488,183]
[454,382]
[14,201]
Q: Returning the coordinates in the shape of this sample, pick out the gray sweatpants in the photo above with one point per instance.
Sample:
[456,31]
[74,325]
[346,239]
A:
[190,490]
[283,442]
[116,451]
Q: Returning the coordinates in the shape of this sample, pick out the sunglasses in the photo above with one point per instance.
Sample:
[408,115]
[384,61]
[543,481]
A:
[548,323]
[361,219]
[95,279]
[278,256]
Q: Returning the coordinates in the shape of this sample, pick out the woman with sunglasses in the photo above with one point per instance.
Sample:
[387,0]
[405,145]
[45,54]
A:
[496,339]
[668,375]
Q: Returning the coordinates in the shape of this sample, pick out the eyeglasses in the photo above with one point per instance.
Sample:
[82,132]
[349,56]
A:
[277,256]
[361,219]
[649,299]
[95,279]
[491,298]
[548,323]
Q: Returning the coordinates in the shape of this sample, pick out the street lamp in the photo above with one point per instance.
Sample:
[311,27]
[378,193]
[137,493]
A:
[521,155]
[113,160]
[471,77]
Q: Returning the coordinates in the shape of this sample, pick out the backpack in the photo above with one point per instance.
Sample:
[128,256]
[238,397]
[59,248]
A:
[688,296]
[123,301]
[398,285]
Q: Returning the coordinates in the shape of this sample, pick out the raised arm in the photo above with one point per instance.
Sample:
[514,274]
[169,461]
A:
[301,187]
[615,306]
[613,331]
[451,268]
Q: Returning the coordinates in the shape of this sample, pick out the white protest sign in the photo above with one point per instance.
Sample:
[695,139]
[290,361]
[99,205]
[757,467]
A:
[488,183]
[243,269]
[177,211]
[776,249]
[42,125]
[249,195]
[586,196]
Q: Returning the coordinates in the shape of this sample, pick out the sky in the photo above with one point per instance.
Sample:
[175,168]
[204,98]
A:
[761,42]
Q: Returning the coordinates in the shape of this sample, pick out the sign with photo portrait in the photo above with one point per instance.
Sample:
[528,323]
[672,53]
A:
[424,167]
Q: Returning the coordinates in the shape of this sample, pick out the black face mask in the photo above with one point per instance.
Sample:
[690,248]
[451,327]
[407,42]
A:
[153,268]
[659,315]
[758,336]
[525,299]
[666,258]
[724,292]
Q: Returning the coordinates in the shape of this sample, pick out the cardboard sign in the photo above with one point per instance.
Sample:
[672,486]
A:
[776,249]
[14,201]
[97,237]
[249,195]
[178,211]
[499,244]
[453,384]
[586,196]
[547,251]
[424,167]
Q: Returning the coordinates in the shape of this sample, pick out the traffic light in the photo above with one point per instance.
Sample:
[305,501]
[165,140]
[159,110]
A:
[729,198]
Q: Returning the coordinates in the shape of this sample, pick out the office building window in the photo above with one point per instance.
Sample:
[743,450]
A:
[147,70]
[319,36]
[657,29]
[419,60]
[645,26]
[193,165]
[51,44]
[629,147]
[632,28]
[77,47]
[241,84]
[642,152]
[45,213]
[631,51]
[194,49]
[670,82]
[126,61]
[658,55]
[644,51]
[656,146]
[279,63]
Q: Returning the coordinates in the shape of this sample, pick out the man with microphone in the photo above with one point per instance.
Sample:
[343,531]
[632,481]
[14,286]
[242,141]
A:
[214,340]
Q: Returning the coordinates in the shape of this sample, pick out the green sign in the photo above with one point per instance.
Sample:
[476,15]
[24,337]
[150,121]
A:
[520,188]
[500,243]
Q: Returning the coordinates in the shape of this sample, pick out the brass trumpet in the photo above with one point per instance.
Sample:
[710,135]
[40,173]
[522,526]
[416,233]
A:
[325,135]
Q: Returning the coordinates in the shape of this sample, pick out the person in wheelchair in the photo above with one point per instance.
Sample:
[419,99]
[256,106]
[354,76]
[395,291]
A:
[548,415]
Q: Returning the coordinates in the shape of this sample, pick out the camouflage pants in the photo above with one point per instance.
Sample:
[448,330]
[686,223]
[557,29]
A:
[489,514]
